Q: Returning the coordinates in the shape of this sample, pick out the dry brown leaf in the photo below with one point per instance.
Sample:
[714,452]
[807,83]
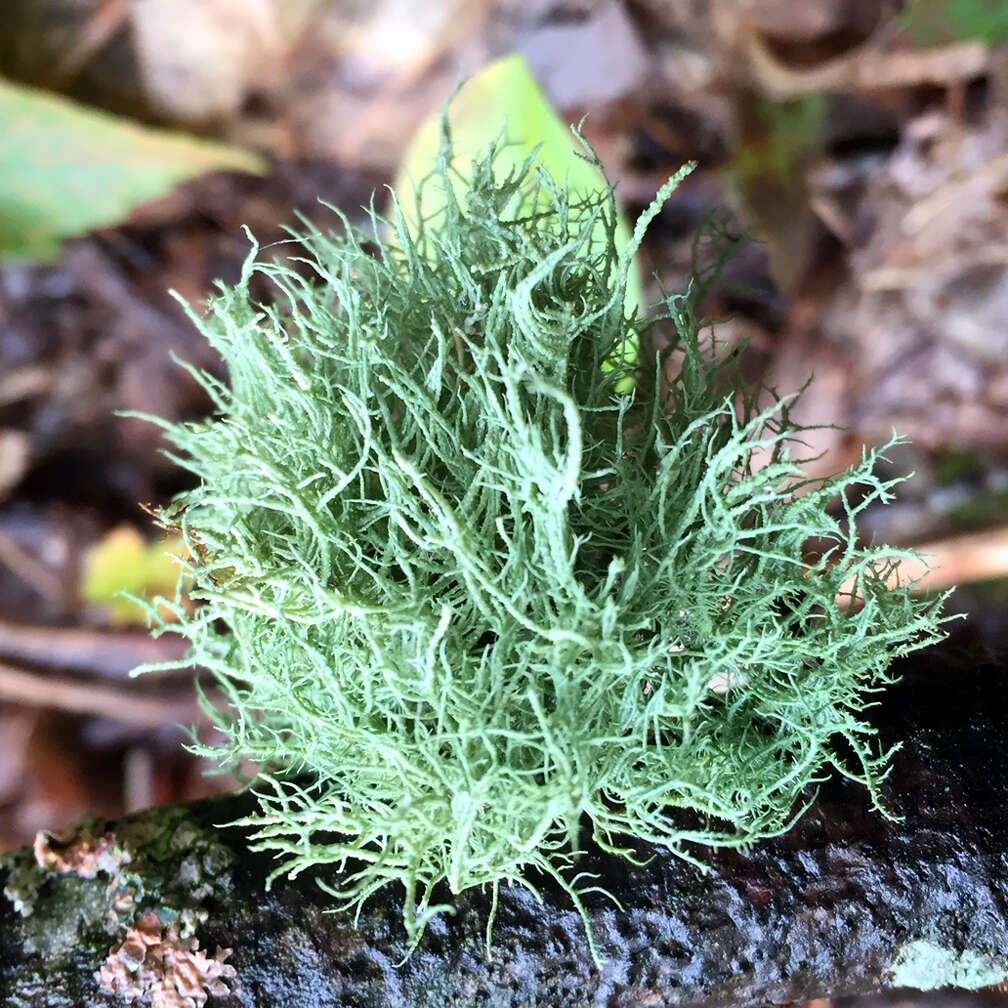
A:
[398,37]
[377,70]
[199,58]
[924,322]
[809,20]
[865,69]
[589,63]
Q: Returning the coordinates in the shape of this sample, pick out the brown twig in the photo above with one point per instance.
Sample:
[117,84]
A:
[40,689]
[866,69]
[101,26]
[104,653]
[23,383]
[29,569]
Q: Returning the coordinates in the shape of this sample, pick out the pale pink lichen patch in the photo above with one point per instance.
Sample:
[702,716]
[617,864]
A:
[167,968]
[80,853]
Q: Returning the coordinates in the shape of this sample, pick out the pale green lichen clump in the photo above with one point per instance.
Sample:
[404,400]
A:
[464,597]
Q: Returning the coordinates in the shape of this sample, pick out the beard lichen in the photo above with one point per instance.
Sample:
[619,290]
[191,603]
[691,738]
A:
[468,602]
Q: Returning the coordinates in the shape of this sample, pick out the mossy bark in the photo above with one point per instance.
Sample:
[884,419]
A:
[847,902]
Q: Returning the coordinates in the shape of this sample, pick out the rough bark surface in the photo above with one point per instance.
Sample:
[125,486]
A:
[845,903]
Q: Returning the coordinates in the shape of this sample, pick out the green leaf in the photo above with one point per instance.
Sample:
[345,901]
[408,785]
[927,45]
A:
[65,169]
[124,564]
[939,22]
[506,96]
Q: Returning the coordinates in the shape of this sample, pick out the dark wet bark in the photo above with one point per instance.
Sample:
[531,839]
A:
[846,903]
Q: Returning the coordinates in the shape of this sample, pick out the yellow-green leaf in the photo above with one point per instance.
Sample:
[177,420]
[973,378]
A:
[123,561]
[66,169]
[503,96]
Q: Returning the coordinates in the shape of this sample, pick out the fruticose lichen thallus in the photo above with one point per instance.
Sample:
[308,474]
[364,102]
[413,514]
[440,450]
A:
[479,582]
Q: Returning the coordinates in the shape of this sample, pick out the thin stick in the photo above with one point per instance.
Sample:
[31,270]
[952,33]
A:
[109,654]
[102,25]
[30,570]
[39,689]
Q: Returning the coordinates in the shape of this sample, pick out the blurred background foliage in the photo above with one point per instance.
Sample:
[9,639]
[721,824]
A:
[933,22]
[66,169]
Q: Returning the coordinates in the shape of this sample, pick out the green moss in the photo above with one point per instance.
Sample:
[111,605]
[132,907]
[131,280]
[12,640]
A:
[986,509]
[955,466]
[784,133]
[464,596]
[940,22]
[23,880]
[178,864]
[75,908]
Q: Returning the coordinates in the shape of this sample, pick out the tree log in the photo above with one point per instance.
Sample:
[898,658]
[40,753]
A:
[846,903]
